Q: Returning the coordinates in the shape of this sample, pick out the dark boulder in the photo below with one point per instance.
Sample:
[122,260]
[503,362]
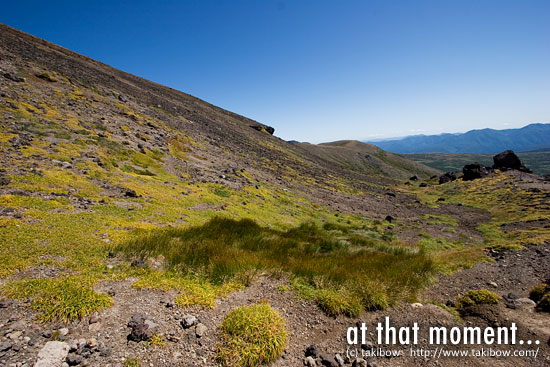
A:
[447,177]
[265,128]
[13,78]
[474,171]
[508,160]
[130,193]
[414,178]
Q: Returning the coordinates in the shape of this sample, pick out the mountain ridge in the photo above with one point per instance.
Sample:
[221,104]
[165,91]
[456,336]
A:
[528,138]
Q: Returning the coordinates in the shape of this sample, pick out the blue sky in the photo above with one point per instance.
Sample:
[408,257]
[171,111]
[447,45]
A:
[324,70]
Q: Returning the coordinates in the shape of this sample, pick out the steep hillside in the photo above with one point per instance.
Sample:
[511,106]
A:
[529,138]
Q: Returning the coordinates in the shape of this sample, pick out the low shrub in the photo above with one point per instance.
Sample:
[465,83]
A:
[254,334]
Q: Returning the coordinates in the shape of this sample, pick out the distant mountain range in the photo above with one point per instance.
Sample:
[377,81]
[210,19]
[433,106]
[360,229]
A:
[531,138]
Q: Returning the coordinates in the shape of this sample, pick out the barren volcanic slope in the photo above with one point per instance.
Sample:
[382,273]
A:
[136,219]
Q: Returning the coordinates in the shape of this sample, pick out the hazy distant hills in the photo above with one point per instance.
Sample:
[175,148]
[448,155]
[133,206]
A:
[531,138]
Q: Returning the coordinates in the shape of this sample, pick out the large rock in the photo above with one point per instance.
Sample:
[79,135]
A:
[508,160]
[53,354]
[474,171]
[447,177]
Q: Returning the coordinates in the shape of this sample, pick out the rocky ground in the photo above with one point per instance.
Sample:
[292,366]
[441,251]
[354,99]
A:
[190,336]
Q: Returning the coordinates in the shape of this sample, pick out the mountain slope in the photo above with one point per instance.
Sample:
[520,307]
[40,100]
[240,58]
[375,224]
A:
[154,117]
[529,138]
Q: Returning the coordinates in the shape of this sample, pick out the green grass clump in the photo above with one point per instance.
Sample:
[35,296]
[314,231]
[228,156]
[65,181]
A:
[544,303]
[343,274]
[254,334]
[63,299]
[433,219]
[46,77]
[132,362]
[224,193]
[476,297]
[537,292]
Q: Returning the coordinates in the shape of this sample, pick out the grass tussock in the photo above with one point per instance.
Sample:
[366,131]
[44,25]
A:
[63,299]
[537,292]
[344,273]
[544,304]
[132,362]
[254,335]
[476,297]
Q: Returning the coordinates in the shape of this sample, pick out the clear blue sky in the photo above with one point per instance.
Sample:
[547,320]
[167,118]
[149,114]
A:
[324,70]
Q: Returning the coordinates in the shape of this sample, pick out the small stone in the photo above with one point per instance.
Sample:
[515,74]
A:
[312,351]
[53,353]
[328,360]
[63,331]
[189,321]
[310,362]
[493,284]
[359,362]
[74,359]
[105,351]
[94,328]
[338,358]
[92,343]
[142,328]
[73,345]
[524,304]
[416,305]
[200,330]
[14,335]
[4,346]
[93,319]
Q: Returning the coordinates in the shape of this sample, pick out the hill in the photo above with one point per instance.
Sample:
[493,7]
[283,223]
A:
[359,157]
[534,137]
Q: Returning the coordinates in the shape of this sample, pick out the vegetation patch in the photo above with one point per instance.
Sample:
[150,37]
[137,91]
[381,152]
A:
[539,291]
[544,303]
[343,274]
[47,77]
[63,299]
[254,335]
[476,297]
[132,362]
